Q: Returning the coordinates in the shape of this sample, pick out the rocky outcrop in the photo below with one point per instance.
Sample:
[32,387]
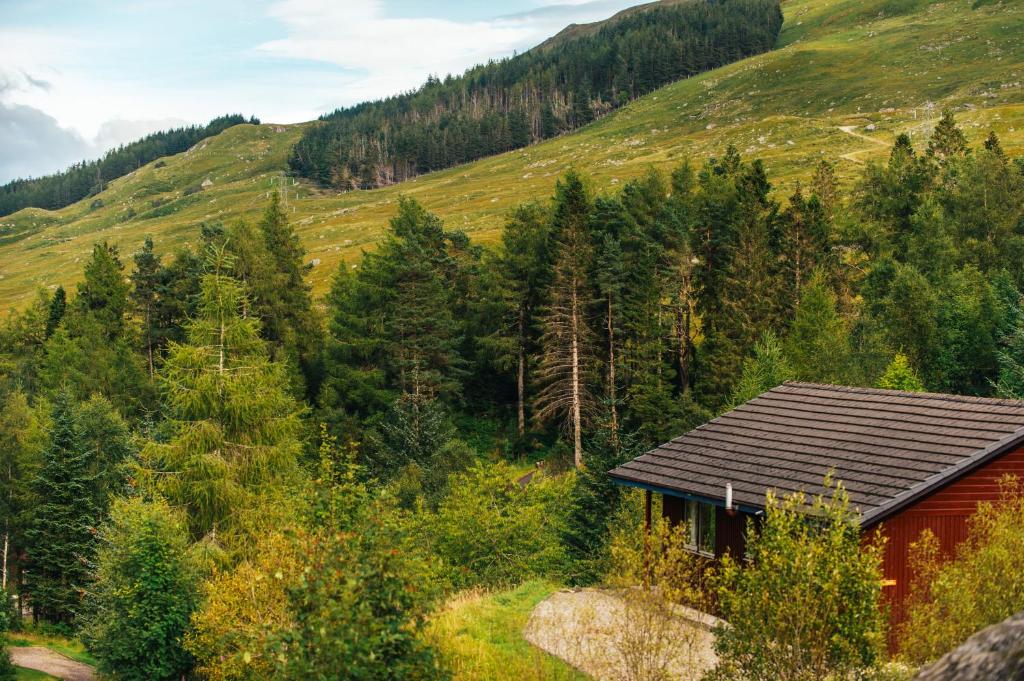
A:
[996,652]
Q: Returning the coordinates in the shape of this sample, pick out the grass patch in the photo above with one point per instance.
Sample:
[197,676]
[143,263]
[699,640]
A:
[481,634]
[67,647]
[32,675]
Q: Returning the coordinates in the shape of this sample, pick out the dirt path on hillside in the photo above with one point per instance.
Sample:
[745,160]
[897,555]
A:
[852,156]
[54,664]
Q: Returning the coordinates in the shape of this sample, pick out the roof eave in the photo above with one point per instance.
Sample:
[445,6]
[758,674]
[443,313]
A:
[941,479]
[668,491]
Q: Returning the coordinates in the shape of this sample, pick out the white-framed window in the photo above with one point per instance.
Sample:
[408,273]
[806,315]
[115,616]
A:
[701,520]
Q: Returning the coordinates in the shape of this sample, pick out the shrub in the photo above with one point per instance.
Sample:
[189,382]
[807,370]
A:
[241,609]
[807,604]
[656,577]
[951,600]
[358,605]
[7,671]
[143,595]
[493,532]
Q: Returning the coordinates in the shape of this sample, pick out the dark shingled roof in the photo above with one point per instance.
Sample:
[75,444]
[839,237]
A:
[889,448]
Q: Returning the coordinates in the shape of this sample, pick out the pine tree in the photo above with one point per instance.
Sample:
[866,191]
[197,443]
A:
[947,140]
[514,286]
[282,300]
[818,344]
[58,306]
[62,539]
[22,438]
[566,365]
[804,244]
[103,295]
[145,283]
[766,369]
[235,426]
[899,375]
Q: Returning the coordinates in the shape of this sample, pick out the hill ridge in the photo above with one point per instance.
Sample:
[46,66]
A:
[839,63]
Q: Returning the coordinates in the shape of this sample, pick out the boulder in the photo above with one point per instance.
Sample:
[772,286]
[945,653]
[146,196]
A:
[996,652]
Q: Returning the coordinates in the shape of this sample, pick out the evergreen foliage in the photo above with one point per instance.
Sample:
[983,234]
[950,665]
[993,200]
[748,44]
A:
[62,536]
[767,368]
[554,88]
[899,375]
[235,426]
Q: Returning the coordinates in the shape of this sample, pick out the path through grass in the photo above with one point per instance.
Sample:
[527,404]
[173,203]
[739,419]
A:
[482,636]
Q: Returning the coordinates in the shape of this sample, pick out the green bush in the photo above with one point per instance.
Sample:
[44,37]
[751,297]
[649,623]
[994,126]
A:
[951,600]
[806,606]
[493,532]
[359,606]
[7,671]
[143,596]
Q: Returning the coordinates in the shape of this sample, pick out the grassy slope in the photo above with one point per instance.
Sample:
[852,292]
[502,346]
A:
[888,63]
[481,635]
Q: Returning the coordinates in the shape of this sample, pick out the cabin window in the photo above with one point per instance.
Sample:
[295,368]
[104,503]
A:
[701,520]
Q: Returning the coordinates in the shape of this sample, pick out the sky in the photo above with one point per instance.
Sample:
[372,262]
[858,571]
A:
[78,77]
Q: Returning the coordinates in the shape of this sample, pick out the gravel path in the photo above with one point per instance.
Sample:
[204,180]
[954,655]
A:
[54,664]
[611,637]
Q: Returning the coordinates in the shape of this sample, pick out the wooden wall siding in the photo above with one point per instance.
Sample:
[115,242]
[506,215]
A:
[945,513]
[729,533]
[672,509]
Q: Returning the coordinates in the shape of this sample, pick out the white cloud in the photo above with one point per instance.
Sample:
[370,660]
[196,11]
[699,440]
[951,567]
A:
[388,55]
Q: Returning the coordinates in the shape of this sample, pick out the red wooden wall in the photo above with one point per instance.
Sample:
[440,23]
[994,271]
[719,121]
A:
[945,513]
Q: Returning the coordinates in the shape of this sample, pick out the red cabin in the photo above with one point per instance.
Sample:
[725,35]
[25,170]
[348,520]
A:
[909,461]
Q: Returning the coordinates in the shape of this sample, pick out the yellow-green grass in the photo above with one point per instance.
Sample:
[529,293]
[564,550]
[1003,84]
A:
[32,675]
[874,67]
[68,647]
[481,636]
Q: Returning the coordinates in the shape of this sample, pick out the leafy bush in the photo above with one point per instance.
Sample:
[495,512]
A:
[806,606]
[951,600]
[358,605]
[493,532]
[241,609]
[7,671]
[655,575]
[143,595]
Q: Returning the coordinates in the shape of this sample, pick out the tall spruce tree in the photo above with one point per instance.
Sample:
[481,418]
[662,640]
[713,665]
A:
[58,306]
[234,425]
[515,286]
[818,344]
[62,539]
[281,295]
[145,288]
[566,368]
[947,140]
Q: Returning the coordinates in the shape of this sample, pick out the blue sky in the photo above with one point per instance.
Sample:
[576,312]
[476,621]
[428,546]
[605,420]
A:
[77,78]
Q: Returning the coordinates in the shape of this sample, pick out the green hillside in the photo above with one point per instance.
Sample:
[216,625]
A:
[848,75]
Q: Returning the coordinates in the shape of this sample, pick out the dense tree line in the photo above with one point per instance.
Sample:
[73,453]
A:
[91,177]
[278,486]
[554,88]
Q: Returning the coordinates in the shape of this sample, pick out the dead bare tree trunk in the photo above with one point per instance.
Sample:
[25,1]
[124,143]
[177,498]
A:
[612,396]
[577,401]
[521,376]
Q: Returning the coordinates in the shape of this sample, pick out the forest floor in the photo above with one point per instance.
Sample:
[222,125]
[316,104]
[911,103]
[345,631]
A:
[606,636]
[53,663]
